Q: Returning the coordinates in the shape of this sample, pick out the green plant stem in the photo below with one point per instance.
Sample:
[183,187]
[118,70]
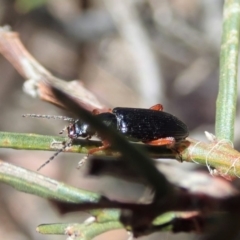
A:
[26,141]
[29,141]
[39,185]
[227,95]
[218,155]
[88,231]
[34,183]
[83,231]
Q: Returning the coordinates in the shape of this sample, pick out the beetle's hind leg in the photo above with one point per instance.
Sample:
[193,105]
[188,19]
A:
[168,141]
[97,111]
[157,107]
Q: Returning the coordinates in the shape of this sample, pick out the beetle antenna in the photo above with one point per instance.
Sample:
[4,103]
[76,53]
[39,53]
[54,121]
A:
[63,130]
[68,144]
[64,118]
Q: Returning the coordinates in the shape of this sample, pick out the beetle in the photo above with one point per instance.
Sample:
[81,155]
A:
[151,126]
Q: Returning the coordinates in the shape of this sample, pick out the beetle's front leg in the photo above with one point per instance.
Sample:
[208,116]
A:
[105,145]
[91,151]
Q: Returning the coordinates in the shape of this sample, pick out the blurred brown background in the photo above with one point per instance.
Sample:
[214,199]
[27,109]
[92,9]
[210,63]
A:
[128,53]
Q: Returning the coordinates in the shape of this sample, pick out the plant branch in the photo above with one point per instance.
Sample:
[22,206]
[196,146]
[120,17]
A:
[83,231]
[218,155]
[29,141]
[33,183]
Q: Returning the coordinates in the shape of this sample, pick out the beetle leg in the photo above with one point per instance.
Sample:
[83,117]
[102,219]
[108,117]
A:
[97,111]
[169,141]
[104,146]
[91,151]
[157,107]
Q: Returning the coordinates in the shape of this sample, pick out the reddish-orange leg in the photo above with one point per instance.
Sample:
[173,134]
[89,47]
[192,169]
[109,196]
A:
[157,107]
[168,141]
[91,151]
[97,111]
[104,146]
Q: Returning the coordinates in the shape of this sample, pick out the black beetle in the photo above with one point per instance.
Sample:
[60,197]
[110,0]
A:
[151,126]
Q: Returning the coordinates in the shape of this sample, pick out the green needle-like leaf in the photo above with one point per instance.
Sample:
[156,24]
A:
[227,95]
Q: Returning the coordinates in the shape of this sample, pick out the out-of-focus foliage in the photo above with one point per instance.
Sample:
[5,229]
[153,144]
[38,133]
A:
[25,6]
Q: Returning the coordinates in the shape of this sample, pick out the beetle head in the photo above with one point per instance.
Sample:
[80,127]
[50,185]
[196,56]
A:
[79,129]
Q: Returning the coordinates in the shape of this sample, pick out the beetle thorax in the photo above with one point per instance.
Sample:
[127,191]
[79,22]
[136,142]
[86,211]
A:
[121,124]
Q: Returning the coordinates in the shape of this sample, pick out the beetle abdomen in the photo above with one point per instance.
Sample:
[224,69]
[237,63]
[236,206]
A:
[146,124]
